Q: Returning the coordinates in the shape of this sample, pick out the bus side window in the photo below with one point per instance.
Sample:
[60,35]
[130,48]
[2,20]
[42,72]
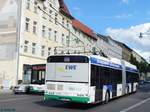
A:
[93,75]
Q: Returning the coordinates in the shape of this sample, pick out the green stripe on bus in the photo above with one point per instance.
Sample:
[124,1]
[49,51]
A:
[69,98]
[36,91]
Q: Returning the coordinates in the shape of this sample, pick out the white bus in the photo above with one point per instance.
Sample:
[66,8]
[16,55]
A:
[88,79]
[34,79]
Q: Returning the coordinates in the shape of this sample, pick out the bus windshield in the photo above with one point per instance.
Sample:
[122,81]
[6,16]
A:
[68,68]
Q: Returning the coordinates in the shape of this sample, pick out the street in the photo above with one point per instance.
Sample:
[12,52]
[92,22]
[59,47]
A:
[138,102]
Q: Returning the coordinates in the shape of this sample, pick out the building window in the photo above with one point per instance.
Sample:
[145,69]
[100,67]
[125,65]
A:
[49,51]
[67,24]
[77,40]
[55,36]
[42,50]
[44,12]
[49,33]
[75,31]
[28,4]
[50,5]
[26,46]
[50,15]
[44,7]
[35,6]
[67,41]
[63,21]
[44,15]
[63,39]
[56,18]
[34,27]
[79,33]
[27,24]
[33,48]
[43,31]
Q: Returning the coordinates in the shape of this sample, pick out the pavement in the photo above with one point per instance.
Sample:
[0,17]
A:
[4,91]
[138,102]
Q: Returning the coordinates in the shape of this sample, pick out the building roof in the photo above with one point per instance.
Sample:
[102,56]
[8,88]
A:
[85,29]
[76,24]
[123,45]
[64,9]
[105,38]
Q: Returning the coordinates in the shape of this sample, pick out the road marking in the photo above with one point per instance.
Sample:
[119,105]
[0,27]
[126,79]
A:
[136,105]
[13,99]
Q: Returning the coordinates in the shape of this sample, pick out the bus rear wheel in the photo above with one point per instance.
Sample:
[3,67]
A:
[107,97]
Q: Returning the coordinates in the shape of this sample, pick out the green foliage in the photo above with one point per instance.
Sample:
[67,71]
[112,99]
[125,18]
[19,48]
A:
[143,67]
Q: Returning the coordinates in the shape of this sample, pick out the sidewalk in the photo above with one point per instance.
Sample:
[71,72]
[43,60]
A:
[3,91]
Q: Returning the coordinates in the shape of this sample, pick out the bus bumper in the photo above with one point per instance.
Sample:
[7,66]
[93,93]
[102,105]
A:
[67,98]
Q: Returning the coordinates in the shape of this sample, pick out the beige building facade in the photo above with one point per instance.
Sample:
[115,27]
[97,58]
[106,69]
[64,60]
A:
[109,46]
[8,49]
[37,29]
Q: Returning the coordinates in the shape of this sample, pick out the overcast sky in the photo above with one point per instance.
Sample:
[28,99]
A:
[121,19]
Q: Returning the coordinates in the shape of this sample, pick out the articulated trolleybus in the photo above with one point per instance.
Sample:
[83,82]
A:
[88,79]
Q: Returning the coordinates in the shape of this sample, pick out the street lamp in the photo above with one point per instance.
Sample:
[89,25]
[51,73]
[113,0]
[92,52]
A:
[141,35]
[146,34]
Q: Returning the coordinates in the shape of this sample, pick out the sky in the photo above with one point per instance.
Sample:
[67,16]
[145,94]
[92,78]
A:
[123,20]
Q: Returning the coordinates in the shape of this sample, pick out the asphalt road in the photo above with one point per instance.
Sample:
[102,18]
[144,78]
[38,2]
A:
[138,102]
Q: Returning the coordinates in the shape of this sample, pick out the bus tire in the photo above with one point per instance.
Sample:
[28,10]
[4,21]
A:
[107,97]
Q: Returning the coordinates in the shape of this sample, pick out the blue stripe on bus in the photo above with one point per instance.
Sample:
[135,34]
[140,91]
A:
[99,62]
[131,70]
[105,63]
[107,66]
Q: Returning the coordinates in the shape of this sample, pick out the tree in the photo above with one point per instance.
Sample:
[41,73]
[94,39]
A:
[143,67]
[148,67]
[134,61]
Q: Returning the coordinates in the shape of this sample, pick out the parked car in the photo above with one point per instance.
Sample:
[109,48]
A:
[22,88]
